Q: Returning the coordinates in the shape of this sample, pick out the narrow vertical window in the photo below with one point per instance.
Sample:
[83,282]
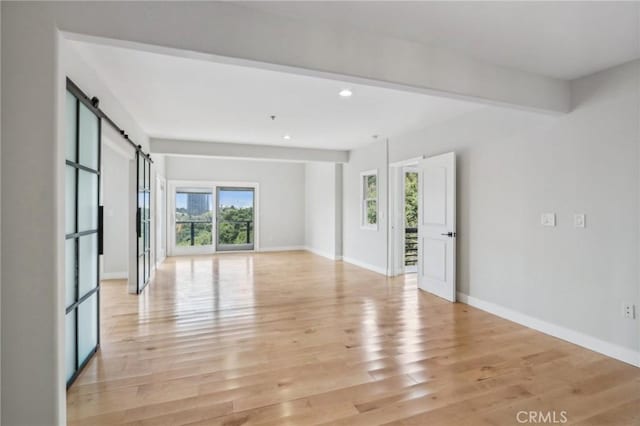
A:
[369,199]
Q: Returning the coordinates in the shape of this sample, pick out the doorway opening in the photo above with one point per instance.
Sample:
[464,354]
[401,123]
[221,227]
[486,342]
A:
[404,178]
[422,222]
[410,217]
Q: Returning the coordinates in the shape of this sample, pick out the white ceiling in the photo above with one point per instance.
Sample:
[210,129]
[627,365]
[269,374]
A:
[180,98]
[558,39]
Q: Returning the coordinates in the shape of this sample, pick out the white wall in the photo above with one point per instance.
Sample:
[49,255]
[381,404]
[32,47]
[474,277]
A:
[115,199]
[323,213]
[33,131]
[514,165]
[365,247]
[281,192]
[89,80]
[33,120]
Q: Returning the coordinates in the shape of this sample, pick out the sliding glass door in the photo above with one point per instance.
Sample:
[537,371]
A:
[82,232]
[235,218]
[143,221]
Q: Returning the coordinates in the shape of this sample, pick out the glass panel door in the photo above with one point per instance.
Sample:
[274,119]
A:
[194,218]
[82,198]
[143,221]
[235,207]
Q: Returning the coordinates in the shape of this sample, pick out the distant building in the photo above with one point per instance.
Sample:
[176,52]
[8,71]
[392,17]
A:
[197,204]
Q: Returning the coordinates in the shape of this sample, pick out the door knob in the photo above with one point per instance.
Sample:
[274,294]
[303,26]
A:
[449,234]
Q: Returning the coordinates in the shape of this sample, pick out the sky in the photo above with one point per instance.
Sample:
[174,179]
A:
[227,198]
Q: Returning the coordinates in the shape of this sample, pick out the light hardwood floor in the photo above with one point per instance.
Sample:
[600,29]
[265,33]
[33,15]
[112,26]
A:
[293,338]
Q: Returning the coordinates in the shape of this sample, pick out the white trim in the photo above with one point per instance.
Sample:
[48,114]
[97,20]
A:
[160,213]
[606,348]
[408,162]
[363,208]
[282,248]
[365,265]
[160,261]
[246,151]
[326,254]
[114,275]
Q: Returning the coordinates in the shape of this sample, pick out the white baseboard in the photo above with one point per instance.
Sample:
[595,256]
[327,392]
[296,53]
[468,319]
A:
[283,248]
[606,348]
[323,253]
[114,276]
[364,265]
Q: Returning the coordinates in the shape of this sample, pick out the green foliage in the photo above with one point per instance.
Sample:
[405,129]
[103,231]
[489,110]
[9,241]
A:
[371,197]
[372,212]
[235,225]
[232,227]
[183,234]
[372,189]
[411,200]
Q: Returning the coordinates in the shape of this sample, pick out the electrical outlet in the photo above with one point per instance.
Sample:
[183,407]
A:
[579,220]
[548,219]
[629,310]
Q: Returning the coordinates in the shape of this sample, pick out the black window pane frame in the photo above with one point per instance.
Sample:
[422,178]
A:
[72,309]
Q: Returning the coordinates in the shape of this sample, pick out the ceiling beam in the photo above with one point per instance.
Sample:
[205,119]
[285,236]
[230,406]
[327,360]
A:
[231,33]
[246,151]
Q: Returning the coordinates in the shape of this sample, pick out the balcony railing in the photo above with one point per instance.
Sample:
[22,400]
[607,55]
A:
[193,233]
[410,246]
[198,233]
[235,232]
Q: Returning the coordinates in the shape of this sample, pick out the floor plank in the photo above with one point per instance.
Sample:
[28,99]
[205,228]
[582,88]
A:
[293,338]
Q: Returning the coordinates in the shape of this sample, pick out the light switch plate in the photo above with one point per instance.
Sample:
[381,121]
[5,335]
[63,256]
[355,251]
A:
[579,220]
[548,219]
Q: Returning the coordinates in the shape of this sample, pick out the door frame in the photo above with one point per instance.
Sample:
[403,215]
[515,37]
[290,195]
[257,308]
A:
[173,184]
[161,219]
[396,214]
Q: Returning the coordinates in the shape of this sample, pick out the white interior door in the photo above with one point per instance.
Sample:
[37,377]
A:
[437,226]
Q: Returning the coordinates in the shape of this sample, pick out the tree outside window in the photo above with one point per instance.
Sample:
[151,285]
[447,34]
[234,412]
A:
[369,206]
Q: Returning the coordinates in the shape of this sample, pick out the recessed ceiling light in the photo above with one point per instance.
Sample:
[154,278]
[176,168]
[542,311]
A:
[345,93]
[287,137]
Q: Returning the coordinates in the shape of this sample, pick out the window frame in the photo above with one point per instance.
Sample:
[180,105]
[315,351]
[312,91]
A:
[364,224]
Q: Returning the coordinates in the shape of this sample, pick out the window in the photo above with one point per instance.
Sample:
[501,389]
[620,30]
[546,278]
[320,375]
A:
[369,199]
[194,217]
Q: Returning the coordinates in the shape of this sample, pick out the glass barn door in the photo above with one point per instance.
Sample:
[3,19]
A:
[82,229]
[143,222]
